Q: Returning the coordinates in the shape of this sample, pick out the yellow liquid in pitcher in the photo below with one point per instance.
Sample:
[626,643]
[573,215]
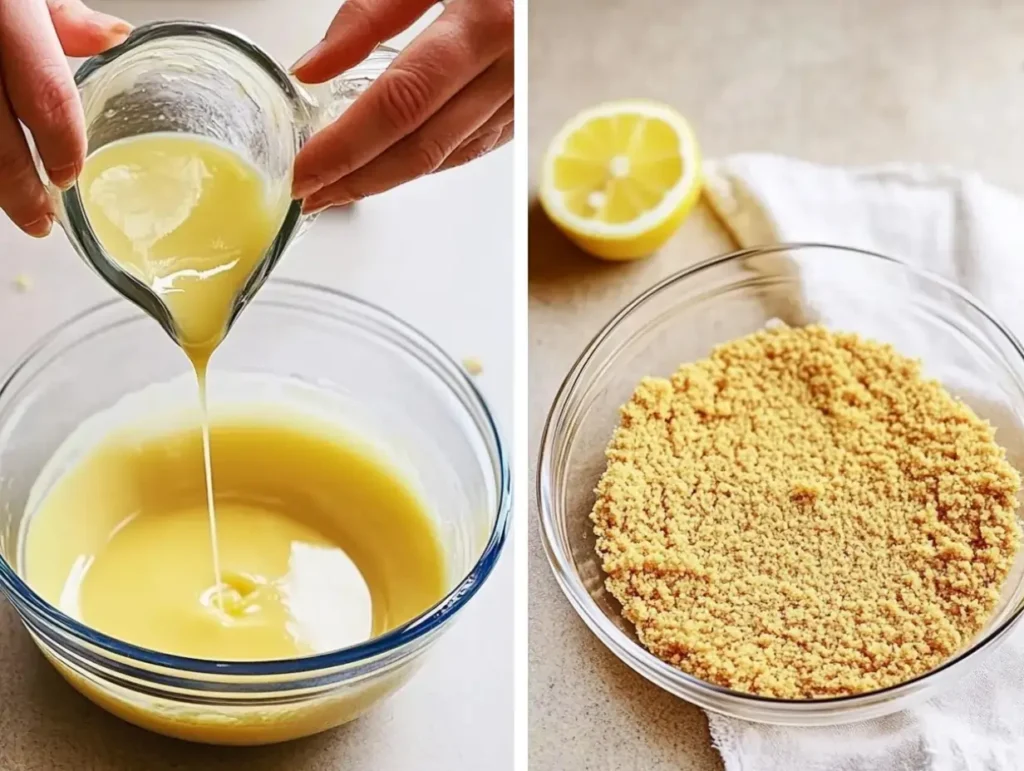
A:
[189,218]
[323,544]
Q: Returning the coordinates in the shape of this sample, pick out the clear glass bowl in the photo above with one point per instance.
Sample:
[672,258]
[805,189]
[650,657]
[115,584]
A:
[681,319]
[402,392]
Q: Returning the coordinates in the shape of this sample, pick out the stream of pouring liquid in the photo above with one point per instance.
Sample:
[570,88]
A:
[191,219]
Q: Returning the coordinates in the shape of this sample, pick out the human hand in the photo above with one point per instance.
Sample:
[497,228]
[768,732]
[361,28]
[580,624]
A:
[37,89]
[445,100]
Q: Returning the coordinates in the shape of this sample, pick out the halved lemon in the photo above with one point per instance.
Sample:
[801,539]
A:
[620,178]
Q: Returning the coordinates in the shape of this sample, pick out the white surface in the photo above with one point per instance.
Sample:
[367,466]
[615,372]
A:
[972,233]
[438,253]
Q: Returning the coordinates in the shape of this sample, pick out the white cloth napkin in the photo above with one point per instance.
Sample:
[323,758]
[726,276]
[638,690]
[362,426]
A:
[972,233]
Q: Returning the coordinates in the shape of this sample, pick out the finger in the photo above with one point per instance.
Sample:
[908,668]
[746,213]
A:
[504,114]
[478,145]
[358,27]
[460,44]
[491,128]
[22,195]
[474,147]
[41,89]
[427,148]
[83,31]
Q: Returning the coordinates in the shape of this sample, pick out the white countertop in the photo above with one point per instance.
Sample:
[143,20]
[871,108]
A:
[438,253]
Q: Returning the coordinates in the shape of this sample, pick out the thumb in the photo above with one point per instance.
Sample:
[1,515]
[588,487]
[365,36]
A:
[83,31]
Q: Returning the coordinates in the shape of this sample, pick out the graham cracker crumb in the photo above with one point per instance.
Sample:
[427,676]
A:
[803,515]
[473,366]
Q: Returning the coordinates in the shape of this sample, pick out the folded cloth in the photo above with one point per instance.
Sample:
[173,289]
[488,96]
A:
[972,233]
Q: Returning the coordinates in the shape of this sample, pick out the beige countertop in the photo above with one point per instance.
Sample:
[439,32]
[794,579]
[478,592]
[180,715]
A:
[857,82]
[456,714]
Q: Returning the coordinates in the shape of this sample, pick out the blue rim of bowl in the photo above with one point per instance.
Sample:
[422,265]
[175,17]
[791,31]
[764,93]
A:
[392,640]
[643,661]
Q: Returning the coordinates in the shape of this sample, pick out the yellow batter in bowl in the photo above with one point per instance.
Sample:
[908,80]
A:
[322,544]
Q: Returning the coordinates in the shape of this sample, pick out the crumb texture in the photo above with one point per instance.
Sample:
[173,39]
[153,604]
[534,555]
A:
[803,515]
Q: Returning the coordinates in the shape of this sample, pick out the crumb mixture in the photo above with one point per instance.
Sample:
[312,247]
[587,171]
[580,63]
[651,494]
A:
[803,515]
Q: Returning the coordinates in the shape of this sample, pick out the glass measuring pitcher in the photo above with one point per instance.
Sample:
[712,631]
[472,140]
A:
[200,79]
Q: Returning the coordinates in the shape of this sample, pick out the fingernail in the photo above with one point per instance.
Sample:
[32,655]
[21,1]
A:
[39,228]
[315,206]
[65,176]
[309,56]
[114,25]
[304,188]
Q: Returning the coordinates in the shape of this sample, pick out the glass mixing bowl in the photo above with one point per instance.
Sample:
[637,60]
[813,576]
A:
[401,391]
[681,319]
